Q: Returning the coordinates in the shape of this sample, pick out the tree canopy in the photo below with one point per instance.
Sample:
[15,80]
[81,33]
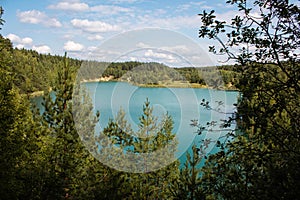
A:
[263,159]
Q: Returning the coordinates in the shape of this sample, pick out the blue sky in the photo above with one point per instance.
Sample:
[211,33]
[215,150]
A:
[80,26]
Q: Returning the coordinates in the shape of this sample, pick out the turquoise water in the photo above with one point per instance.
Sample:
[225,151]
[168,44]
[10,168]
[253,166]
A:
[183,104]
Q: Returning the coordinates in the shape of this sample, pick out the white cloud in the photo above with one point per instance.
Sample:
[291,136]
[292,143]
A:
[95,37]
[92,48]
[109,10]
[19,42]
[73,46]
[126,1]
[142,45]
[133,59]
[83,7]
[26,42]
[19,46]
[164,57]
[71,6]
[152,54]
[13,38]
[94,26]
[205,7]
[180,21]
[43,49]
[227,15]
[170,23]
[192,5]
[68,36]
[183,7]
[37,17]
[179,49]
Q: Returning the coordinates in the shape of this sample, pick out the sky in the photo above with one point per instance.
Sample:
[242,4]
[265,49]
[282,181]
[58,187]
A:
[82,27]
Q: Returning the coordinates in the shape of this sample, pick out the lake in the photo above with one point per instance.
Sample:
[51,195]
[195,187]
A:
[183,104]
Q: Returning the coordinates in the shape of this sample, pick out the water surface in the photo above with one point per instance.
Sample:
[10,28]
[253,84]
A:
[183,104]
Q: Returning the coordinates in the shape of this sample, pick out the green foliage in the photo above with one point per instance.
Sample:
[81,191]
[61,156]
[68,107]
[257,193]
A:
[68,160]
[266,38]
[18,133]
[11,136]
[149,139]
[263,159]
[188,185]
[19,143]
[32,71]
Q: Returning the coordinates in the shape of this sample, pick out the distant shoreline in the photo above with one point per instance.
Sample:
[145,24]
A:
[102,79]
[168,85]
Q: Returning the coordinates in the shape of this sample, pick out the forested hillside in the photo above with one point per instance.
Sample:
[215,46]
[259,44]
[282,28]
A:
[32,71]
[38,72]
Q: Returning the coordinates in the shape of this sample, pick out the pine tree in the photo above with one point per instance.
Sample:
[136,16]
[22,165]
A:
[188,185]
[152,147]
[69,160]
[19,137]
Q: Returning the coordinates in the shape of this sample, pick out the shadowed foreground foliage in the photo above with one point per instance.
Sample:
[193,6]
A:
[263,160]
